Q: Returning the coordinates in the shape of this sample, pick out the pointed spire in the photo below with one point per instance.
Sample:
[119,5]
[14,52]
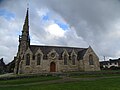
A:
[26,23]
[26,19]
[25,38]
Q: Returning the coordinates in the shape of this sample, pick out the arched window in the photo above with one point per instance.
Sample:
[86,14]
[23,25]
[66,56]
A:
[38,59]
[91,59]
[65,59]
[28,59]
[73,59]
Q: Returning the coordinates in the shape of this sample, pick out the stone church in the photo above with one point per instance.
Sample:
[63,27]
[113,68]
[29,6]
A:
[32,59]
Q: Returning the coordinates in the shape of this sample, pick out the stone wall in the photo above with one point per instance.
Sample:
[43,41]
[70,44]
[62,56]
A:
[86,64]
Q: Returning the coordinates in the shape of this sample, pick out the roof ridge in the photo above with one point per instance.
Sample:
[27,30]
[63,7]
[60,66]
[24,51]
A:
[57,46]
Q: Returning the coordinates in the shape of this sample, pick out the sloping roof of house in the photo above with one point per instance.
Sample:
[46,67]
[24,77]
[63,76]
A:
[110,61]
[104,62]
[114,60]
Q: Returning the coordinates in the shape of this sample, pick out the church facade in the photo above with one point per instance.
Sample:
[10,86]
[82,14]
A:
[31,59]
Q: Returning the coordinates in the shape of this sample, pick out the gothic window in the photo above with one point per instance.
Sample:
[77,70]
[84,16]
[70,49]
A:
[38,59]
[73,59]
[65,59]
[33,57]
[28,59]
[90,59]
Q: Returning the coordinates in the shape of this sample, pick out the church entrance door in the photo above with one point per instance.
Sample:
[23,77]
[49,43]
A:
[52,67]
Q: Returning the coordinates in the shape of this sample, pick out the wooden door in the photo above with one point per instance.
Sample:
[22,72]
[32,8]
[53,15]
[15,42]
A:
[52,67]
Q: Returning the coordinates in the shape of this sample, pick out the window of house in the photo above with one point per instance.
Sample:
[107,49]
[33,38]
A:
[91,60]
[65,59]
[38,59]
[28,59]
[73,59]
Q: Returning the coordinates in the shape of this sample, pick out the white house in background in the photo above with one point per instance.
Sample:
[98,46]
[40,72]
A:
[110,63]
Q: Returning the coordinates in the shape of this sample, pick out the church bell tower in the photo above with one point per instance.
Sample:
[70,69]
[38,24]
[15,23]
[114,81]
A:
[24,39]
[24,43]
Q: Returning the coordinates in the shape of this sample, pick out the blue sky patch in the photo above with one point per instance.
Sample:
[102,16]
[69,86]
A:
[61,25]
[46,17]
[1,1]
[6,14]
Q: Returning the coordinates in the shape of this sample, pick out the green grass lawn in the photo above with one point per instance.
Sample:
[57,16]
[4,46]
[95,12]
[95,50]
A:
[28,80]
[100,84]
[94,76]
[112,82]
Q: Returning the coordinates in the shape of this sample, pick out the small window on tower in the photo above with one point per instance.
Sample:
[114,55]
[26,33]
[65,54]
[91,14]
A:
[28,59]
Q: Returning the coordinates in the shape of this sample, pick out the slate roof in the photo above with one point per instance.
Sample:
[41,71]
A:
[59,49]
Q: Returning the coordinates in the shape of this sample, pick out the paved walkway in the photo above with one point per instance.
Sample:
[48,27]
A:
[7,74]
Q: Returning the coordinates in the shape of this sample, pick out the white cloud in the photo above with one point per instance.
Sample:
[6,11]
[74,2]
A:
[55,30]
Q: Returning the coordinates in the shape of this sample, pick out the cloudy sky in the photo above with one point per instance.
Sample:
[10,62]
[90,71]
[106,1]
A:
[77,23]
